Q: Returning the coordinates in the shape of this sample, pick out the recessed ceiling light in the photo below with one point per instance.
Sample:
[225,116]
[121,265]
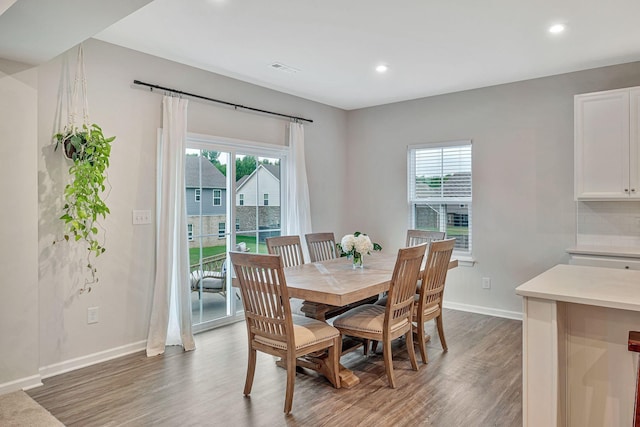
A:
[556,29]
[382,68]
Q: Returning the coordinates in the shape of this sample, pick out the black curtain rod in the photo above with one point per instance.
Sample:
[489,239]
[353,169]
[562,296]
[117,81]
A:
[231,104]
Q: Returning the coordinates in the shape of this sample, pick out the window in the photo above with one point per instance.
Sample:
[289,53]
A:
[222,228]
[190,232]
[241,200]
[237,224]
[217,197]
[197,194]
[440,190]
[266,199]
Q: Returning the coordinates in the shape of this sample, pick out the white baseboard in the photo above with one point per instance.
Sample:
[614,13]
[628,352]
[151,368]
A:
[91,359]
[21,384]
[496,312]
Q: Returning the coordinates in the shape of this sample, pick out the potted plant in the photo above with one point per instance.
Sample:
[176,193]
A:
[89,150]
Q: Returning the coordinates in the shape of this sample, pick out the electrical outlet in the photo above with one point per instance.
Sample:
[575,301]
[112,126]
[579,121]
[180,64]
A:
[141,217]
[92,315]
[486,283]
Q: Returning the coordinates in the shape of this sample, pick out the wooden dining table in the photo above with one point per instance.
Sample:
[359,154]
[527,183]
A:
[331,287]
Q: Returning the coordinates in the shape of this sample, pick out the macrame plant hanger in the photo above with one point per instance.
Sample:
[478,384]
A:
[78,103]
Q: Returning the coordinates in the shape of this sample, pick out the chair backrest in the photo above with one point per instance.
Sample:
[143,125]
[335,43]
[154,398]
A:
[322,246]
[435,273]
[288,247]
[416,237]
[402,289]
[264,295]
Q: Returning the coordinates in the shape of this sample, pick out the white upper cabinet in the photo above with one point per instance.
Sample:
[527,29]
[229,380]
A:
[606,152]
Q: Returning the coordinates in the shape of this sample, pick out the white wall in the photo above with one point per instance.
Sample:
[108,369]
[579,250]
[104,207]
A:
[18,227]
[133,115]
[523,210]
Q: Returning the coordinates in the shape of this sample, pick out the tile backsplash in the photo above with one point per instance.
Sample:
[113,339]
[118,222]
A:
[605,223]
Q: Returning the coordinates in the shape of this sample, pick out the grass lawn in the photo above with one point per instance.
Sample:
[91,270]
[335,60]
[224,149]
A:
[250,241]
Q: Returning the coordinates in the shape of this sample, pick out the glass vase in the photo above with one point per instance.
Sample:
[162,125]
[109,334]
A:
[357,260]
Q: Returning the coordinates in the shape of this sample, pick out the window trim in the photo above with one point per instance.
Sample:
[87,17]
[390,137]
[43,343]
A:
[265,199]
[218,198]
[190,232]
[412,202]
[240,199]
[198,195]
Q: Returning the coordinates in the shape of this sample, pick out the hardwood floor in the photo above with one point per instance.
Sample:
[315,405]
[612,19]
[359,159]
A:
[478,382]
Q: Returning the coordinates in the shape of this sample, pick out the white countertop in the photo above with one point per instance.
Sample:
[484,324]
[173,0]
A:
[615,251]
[602,287]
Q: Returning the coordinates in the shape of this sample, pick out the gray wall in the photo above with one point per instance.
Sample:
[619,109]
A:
[134,115]
[524,216]
[18,227]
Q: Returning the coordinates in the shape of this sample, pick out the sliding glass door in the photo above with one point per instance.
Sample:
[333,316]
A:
[233,203]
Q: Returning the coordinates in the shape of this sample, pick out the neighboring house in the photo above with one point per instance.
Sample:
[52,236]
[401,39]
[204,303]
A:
[258,195]
[206,202]
[455,186]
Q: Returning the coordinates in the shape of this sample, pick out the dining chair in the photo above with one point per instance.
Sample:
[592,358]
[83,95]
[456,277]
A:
[322,246]
[386,323]
[289,247]
[416,237]
[272,328]
[431,291]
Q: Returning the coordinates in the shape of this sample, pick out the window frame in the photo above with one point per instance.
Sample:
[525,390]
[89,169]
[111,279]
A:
[198,195]
[190,232]
[265,199]
[218,198]
[442,201]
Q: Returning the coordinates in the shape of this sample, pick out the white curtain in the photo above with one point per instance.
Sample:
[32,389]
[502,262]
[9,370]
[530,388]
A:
[171,311]
[298,212]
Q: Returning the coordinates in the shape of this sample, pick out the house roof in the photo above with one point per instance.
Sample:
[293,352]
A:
[211,176]
[272,169]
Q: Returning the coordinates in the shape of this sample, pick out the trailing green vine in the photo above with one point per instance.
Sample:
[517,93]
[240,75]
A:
[89,150]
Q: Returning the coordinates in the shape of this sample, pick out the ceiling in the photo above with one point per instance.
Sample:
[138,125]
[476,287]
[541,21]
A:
[333,45]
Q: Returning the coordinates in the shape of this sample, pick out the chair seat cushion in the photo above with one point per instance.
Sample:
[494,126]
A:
[366,318]
[210,280]
[306,331]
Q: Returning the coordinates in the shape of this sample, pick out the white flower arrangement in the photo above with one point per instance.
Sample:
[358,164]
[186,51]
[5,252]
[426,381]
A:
[355,245]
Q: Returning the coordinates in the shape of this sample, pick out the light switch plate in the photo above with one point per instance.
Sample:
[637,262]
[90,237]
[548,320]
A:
[141,217]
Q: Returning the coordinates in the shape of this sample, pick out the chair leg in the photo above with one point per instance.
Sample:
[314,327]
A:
[388,362]
[365,351]
[441,332]
[411,350]
[374,346]
[291,379]
[251,369]
[422,344]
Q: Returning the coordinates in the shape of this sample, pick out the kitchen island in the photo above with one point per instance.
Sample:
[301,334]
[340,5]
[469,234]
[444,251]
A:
[577,370]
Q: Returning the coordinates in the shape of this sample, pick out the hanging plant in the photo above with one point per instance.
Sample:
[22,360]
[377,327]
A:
[89,150]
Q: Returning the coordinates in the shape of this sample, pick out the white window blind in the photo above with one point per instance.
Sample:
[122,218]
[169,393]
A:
[440,189]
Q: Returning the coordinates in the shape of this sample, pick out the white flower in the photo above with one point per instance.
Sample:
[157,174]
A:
[347,243]
[363,244]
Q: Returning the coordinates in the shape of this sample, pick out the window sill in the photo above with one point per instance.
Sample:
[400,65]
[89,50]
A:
[464,260]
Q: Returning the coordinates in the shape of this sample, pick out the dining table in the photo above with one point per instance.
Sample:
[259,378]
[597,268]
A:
[331,287]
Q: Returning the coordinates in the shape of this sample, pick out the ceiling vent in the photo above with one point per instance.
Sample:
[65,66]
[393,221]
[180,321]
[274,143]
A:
[285,68]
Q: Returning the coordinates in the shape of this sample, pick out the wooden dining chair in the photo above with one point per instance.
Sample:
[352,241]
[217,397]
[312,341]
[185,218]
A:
[417,237]
[288,247]
[322,246]
[431,292]
[385,323]
[271,327]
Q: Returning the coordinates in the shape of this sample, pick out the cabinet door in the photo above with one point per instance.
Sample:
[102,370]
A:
[634,145]
[602,145]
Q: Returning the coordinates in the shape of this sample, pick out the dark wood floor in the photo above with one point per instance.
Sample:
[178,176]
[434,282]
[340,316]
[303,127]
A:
[478,382]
